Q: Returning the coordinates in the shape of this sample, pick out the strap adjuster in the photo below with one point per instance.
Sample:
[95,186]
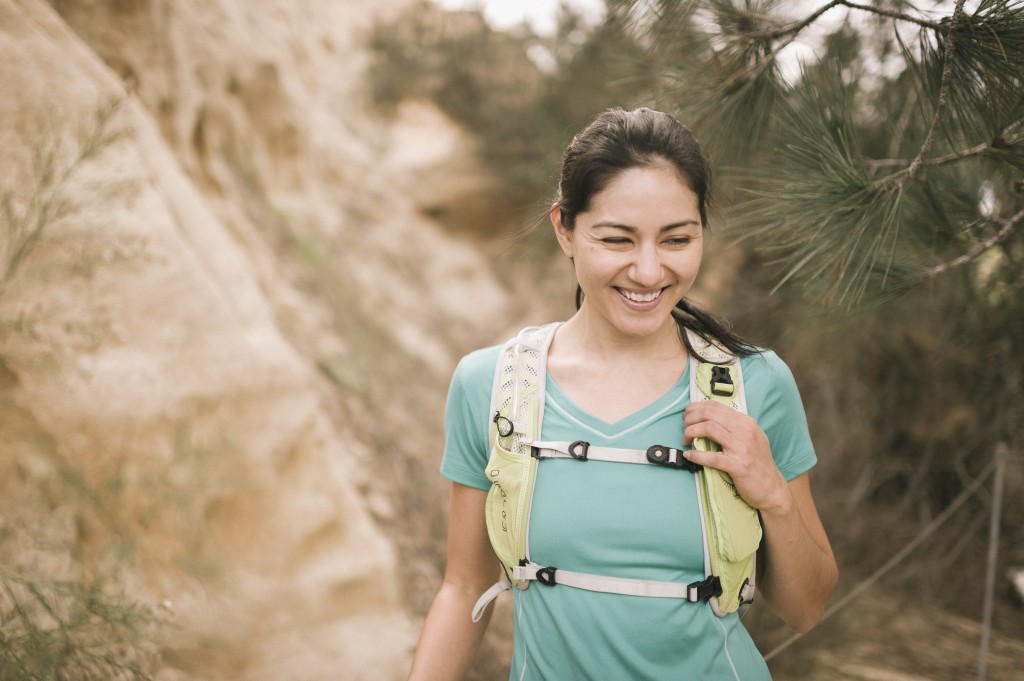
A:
[578,450]
[721,381]
[546,576]
[671,457]
[504,425]
[705,590]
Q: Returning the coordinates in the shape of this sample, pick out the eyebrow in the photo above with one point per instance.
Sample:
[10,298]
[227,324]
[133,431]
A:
[631,229]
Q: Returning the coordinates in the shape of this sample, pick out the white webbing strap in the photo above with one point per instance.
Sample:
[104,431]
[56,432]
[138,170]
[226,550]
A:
[549,576]
[658,454]
[502,584]
[747,591]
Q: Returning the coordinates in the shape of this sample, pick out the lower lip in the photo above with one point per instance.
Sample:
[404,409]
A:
[637,305]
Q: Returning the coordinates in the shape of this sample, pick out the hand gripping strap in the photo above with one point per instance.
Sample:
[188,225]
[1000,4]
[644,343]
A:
[732,530]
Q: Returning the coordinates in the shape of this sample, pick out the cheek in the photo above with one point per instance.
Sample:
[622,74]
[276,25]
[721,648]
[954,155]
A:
[594,262]
[696,256]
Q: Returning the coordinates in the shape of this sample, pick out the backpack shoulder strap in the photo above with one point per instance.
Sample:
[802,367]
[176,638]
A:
[516,412]
[518,387]
[731,528]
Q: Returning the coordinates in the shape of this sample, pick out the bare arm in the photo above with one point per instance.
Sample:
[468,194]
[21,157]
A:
[450,638]
[799,568]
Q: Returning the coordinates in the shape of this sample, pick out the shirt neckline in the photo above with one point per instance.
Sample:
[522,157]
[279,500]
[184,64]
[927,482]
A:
[627,424]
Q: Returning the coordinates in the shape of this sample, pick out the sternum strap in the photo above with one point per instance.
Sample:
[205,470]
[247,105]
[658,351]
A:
[580,450]
[694,593]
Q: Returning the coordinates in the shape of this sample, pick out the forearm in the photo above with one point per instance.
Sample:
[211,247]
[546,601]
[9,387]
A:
[799,569]
[450,638]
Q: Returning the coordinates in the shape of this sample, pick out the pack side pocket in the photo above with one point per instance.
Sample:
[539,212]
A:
[738,528]
[511,476]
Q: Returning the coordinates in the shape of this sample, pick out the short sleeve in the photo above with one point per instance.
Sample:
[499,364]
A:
[465,419]
[773,399]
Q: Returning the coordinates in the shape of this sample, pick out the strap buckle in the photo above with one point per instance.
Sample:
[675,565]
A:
[705,590]
[721,381]
[671,457]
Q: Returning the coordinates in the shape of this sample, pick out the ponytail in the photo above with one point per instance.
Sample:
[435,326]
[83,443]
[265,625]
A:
[714,329]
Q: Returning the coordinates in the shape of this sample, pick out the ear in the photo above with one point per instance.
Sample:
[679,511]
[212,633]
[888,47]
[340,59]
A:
[562,233]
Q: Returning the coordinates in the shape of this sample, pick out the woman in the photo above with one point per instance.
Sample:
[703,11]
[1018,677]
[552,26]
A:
[631,215]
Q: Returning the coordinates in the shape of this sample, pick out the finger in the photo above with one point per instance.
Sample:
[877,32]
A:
[709,409]
[712,429]
[710,459]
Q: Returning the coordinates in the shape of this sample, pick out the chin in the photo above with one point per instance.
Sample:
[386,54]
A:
[642,328]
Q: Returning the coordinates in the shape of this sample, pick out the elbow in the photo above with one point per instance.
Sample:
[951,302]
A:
[814,611]
[806,621]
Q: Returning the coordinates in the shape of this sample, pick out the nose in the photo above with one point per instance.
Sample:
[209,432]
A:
[646,267]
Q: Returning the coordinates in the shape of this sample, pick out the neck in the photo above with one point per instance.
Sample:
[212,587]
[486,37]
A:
[600,341]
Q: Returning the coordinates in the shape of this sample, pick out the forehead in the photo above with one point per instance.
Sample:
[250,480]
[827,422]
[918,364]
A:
[651,193]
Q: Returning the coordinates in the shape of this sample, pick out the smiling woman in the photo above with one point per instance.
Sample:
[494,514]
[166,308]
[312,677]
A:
[636,250]
[614,382]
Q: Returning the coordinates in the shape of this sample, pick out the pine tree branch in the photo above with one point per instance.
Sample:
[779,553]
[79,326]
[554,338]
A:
[794,28]
[798,26]
[977,150]
[943,99]
[792,31]
[1007,228]
[893,15]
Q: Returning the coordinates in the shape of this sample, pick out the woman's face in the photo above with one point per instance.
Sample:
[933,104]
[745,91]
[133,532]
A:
[636,249]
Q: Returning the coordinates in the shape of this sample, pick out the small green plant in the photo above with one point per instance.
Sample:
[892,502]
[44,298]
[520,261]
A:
[26,216]
[71,630]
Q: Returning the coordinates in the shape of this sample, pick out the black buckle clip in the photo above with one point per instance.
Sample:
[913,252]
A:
[576,446]
[660,454]
[546,576]
[706,590]
[721,381]
[504,425]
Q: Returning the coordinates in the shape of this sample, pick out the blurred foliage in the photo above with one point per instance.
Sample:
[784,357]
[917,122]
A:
[64,612]
[524,95]
[71,630]
[25,216]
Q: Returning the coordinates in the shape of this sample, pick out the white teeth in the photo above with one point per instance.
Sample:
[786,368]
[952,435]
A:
[640,297]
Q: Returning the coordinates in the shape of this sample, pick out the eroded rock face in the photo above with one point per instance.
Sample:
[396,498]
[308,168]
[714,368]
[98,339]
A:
[208,259]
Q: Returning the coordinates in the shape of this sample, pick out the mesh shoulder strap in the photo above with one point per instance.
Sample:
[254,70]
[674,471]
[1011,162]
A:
[517,408]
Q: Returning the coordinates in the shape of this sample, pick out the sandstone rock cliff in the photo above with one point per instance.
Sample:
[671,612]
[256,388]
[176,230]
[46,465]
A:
[215,273]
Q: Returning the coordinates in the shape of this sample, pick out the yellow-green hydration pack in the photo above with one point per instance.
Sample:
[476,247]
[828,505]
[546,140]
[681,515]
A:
[730,527]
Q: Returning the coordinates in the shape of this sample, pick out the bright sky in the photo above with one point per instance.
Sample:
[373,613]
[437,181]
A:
[540,14]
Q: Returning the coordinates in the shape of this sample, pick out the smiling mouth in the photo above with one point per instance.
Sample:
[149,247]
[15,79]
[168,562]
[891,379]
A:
[640,297]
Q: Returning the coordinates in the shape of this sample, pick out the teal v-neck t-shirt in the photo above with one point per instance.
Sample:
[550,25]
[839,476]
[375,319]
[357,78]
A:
[621,520]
